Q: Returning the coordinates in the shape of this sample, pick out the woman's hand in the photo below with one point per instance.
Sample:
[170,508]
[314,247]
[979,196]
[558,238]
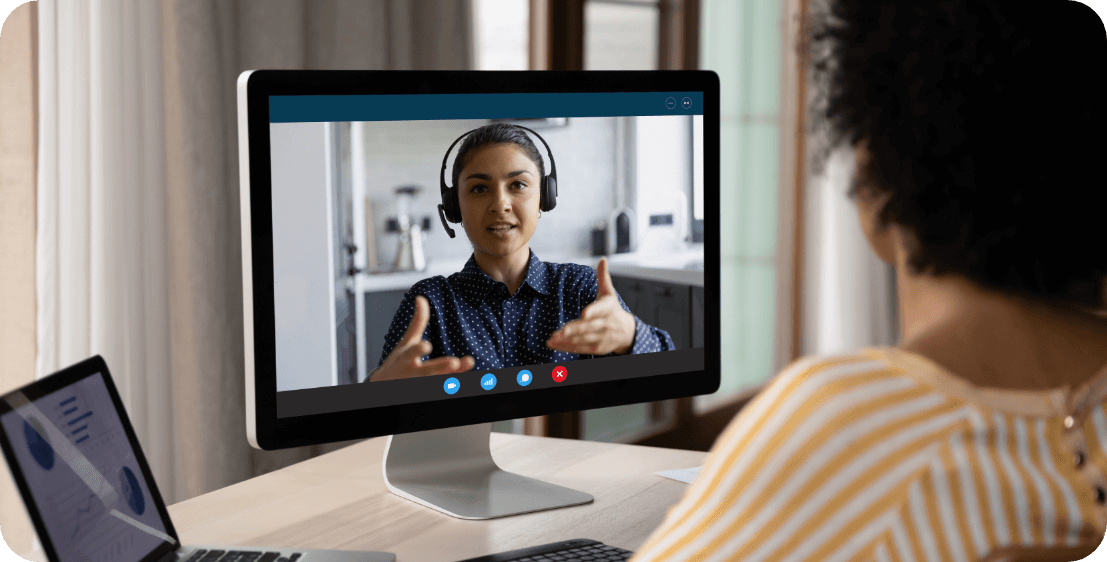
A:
[406,359]
[603,327]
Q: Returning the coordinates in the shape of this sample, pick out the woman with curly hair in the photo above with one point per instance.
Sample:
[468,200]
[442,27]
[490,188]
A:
[977,129]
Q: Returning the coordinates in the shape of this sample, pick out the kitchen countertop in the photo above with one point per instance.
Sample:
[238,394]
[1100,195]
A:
[680,268]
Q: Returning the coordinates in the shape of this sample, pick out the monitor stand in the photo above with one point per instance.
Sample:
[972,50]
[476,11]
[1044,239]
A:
[451,470]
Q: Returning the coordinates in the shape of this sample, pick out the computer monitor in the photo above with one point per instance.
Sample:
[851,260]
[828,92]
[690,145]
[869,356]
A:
[365,238]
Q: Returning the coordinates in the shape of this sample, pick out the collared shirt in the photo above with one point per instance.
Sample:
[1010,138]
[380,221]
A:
[473,314]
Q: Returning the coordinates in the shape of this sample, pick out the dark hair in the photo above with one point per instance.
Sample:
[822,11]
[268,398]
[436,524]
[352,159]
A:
[496,133]
[985,126]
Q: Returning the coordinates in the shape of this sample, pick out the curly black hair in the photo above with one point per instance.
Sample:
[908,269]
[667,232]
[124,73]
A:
[984,121]
[496,133]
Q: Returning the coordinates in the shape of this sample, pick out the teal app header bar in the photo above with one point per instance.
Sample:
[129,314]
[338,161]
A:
[416,107]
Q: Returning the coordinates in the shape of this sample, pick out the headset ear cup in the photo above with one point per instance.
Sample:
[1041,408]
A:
[451,206]
[549,193]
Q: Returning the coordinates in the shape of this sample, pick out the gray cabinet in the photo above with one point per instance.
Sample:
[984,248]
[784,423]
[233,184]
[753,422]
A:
[380,307]
[677,309]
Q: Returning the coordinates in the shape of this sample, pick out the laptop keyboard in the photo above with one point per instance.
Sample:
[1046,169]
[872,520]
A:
[240,556]
[578,550]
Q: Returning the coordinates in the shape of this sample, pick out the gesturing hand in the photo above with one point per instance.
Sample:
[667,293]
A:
[603,327]
[406,359]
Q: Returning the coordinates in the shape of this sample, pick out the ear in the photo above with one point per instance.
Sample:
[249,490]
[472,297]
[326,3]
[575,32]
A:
[869,203]
[881,237]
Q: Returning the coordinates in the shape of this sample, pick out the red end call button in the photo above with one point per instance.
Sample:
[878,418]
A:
[559,373]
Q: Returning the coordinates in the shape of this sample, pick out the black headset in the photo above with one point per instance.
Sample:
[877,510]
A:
[450,209]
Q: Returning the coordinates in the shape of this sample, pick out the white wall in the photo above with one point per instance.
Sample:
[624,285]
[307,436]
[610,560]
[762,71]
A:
[303,284]
[663,180]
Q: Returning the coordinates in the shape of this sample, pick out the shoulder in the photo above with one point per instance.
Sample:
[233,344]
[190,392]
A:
[832,373]
[570,277]
[569,270]
[850,396]
[431,287]
[436,290]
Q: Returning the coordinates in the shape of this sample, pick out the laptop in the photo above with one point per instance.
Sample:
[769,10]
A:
[88,490]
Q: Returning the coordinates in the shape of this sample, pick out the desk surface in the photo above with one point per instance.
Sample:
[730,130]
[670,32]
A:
[339,501]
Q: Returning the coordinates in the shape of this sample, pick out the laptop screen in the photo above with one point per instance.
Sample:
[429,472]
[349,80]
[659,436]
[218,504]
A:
[82,474]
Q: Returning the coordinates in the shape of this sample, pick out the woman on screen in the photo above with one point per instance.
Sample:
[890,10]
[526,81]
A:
[506,307]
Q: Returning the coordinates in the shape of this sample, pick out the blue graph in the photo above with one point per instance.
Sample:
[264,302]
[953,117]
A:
[132,491]
[40,448]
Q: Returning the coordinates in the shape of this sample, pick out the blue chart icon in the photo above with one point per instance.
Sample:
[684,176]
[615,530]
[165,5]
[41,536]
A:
[488,382]
[40,448]
[524,377]
[131,491]
[452,385]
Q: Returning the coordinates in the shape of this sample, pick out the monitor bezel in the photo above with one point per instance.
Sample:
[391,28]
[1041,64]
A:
[266,431]
[53,383]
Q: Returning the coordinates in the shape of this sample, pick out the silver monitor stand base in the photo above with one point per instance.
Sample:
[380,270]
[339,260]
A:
[452,471]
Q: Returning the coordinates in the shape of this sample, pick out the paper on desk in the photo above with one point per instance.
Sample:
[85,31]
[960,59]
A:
[686,475]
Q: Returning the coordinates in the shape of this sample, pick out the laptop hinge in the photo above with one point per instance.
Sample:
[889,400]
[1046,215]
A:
[170,556]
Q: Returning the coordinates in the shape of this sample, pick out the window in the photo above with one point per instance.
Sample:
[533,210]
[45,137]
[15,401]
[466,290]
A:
[741,42]
[621,35]
[501,32]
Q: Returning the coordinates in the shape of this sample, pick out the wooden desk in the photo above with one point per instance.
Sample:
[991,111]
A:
[339,501]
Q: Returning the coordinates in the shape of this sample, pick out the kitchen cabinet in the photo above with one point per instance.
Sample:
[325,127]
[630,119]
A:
[675,308]
[380,307]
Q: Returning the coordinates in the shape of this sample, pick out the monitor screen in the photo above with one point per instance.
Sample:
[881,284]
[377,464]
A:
[424,250]
[516,302]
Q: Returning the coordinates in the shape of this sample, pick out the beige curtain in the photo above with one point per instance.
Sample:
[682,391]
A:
[138,243]
[206,44]
[17,239]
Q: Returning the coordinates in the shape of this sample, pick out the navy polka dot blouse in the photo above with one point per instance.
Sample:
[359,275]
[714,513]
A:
[473,314]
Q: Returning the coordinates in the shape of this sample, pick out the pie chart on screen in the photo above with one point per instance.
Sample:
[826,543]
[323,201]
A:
[132,492]
[40,448]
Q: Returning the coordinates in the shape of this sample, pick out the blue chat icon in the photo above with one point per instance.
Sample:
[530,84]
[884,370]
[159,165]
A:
[524,377]
[452,385]
[488,382]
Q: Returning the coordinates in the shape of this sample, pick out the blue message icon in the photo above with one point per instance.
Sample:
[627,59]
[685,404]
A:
[524,377]
[452,385]
[488,382]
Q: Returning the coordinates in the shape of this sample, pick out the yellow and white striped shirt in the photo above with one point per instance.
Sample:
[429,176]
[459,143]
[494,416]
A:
[883,455]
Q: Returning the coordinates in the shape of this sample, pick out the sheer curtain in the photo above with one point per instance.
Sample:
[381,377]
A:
[138,253]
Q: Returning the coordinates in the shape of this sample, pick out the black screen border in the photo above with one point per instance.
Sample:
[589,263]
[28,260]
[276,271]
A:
[273,433]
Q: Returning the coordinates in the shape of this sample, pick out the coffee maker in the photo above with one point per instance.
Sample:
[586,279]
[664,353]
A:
[409,256]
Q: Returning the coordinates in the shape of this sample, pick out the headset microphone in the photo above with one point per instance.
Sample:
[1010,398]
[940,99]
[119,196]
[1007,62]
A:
[446,225]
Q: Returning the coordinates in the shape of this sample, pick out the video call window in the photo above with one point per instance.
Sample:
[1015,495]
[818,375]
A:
[372,293]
